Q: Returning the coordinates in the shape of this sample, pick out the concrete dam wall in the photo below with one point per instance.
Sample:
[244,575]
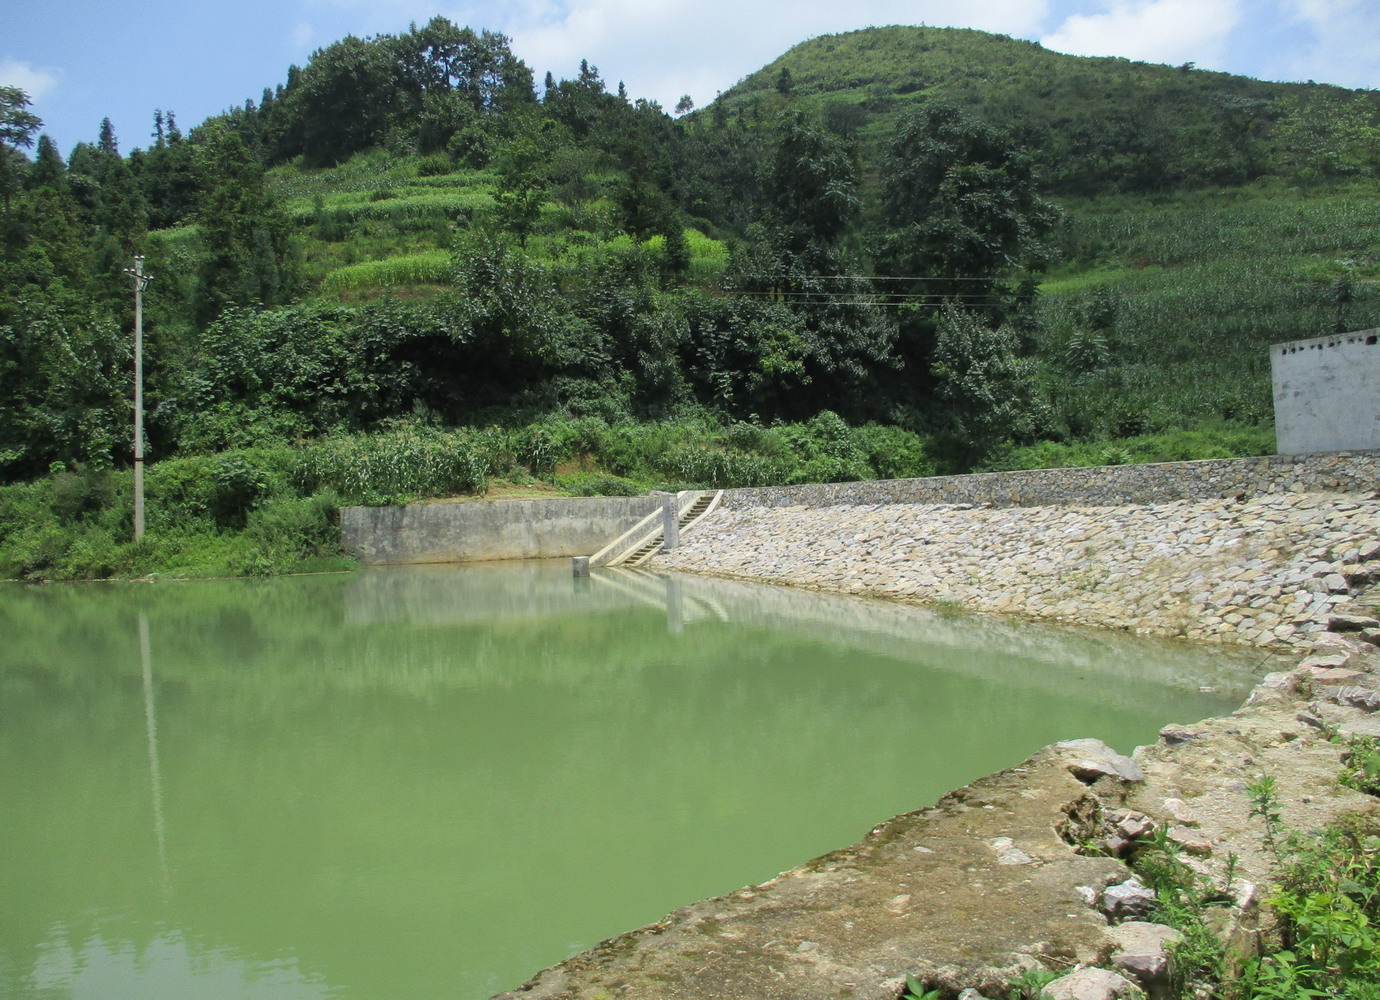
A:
[477,531]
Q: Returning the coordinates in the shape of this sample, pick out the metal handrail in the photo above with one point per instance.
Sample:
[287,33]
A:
[699,495]
[620,544]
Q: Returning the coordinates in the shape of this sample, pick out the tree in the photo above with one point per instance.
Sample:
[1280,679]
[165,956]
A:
[685,105]
[524,176]
[243,234]
[811,182]
[960,202]
[1323,136]
[837,340]
[48,169]
[992,393]
[478,66]
[166,174]
[48,217]
[107,142]
[107,193]
[675,251]
[17,123]
[844,118]
[17,127]
[344,99]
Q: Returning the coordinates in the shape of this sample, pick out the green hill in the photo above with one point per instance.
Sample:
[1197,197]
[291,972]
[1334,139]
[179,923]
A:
[1102,124]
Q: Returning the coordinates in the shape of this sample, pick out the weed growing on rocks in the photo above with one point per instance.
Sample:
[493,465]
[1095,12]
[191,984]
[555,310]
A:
[1265,804]
[1327,897]
[1361,764]
[1030,984]
[1182,901]
[915,990]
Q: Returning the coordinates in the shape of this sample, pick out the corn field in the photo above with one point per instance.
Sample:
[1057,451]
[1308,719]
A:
[431,268]
[410,463]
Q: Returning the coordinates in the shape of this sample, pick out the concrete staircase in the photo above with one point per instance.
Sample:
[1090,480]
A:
[637,545]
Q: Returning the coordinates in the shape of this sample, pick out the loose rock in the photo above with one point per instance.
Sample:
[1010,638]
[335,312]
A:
[1092,984]
[1136,567]
[1128,900]
[1142,953]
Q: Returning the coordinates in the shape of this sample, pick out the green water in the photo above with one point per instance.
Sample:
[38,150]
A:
[433,782]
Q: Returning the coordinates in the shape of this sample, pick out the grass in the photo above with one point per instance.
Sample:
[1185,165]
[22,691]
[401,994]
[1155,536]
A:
[373,224]
[430,268]
[401,207]
[1326,896]
[1215,440]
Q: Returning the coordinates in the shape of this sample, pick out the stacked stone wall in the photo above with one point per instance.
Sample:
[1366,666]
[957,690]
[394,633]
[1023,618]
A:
[1333,472]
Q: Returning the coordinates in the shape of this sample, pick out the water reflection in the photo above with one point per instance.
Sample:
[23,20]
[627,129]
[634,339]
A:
[1038,654]
[99,968]
[432,782]
[151,729]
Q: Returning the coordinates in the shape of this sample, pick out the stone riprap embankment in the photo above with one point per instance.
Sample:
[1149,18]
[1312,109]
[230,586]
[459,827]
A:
[1266,571]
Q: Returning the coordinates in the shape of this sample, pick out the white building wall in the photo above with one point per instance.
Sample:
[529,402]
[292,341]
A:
[1327,393]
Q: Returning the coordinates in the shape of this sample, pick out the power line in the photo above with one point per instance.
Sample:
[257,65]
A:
[777,276]
[804,293]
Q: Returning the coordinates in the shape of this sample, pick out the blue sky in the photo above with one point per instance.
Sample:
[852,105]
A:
[83,60]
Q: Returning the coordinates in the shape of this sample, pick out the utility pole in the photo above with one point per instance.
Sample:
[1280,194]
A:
[141,281]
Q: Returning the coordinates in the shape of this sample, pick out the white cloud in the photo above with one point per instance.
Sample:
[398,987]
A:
[301,36]
[37,83]
[1164,31]
[665,48]
[1341,42]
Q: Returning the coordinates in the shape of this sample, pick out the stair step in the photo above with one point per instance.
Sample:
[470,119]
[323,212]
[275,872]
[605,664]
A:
[696,510]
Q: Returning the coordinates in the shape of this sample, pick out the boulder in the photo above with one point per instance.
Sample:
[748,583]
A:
[1130,899]
[1092,759]
[1142,953]
[1366,699]
[1351,623]
[1177,735]
[1092,984]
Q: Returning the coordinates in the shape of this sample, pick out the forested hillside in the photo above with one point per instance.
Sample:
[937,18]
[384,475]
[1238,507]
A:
[411,270]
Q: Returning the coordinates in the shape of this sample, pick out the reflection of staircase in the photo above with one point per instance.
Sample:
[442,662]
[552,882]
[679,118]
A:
[655,590]
[640,542]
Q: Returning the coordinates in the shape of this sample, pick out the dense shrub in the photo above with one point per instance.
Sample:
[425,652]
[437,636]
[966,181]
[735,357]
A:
[410,462]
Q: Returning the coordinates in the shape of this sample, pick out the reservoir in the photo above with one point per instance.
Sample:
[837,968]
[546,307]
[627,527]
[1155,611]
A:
[434,781]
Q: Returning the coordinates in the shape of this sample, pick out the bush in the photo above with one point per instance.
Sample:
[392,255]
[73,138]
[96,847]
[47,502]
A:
[599,485]
[716,468]
[894,452]
[81,492]
[825,451]
[1211,440]
[286,530]
[435,165]
[404,464]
